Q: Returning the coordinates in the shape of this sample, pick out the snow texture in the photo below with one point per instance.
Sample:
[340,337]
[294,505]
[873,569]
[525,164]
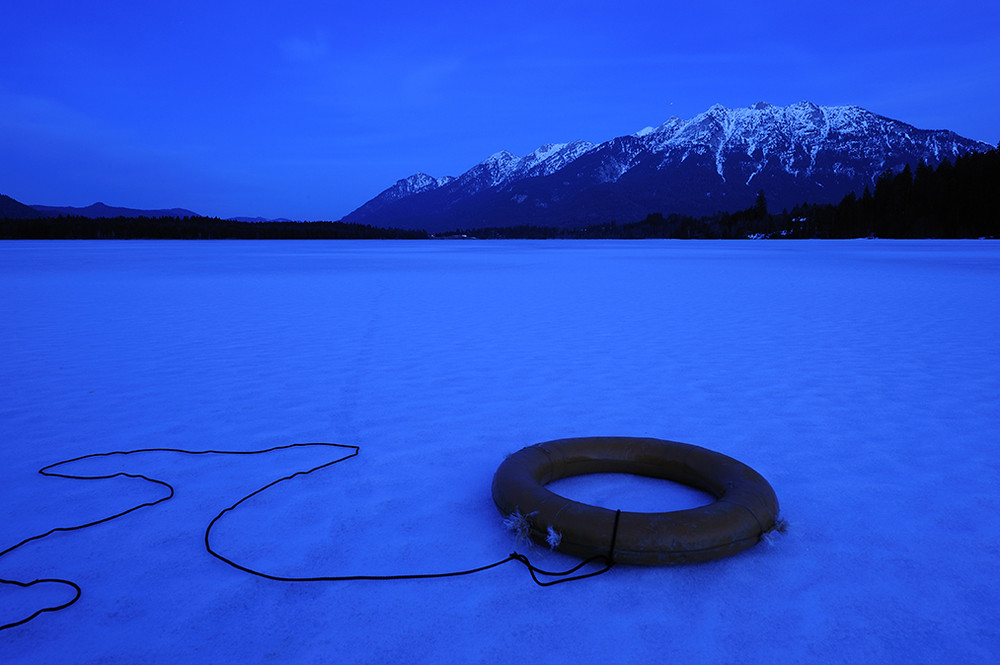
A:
[859,377]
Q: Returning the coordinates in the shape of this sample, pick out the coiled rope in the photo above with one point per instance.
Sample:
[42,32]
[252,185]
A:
[606,560]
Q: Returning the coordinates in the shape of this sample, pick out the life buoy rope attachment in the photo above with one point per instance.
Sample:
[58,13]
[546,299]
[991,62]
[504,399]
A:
[745,506]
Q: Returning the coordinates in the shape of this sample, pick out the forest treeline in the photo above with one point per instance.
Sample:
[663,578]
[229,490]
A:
[191,228]
[953,200]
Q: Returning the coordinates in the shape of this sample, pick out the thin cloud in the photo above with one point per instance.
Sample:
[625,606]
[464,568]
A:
[306,50]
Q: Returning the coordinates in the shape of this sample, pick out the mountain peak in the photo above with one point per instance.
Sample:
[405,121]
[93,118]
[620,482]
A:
[544,152]
[414,184]
[501,157]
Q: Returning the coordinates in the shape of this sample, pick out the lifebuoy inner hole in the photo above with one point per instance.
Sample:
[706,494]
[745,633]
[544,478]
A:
[630,492]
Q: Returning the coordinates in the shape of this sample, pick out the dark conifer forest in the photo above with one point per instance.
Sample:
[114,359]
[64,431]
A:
[953,200]
[191,228]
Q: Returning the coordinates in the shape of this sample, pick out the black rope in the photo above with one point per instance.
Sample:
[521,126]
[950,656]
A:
[52,608]
[565,576]
[614,536]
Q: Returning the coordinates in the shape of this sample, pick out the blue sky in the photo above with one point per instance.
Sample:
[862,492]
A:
[308,109]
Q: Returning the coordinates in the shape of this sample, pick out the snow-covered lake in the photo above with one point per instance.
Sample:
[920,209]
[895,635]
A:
[861,378]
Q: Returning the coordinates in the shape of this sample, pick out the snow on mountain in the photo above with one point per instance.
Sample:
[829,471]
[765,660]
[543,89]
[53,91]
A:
[717,160]
[415,184]
[495,170]
[551,157]
[418,183]
[503,167]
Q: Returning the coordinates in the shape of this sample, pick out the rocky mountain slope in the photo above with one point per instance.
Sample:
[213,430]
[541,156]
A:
[717,160]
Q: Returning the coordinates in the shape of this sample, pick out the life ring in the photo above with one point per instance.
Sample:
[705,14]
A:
[744,509]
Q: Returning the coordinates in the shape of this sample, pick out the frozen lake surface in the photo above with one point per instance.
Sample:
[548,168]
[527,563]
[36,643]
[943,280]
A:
[861,378]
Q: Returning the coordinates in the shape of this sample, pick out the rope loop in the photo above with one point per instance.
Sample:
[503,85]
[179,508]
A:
[534,571]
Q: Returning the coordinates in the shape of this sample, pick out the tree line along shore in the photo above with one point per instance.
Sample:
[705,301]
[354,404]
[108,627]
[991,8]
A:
[952,200]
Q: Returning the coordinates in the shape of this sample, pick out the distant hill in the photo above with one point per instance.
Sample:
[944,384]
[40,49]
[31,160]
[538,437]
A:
[97,210]
[11,209]
[716,161]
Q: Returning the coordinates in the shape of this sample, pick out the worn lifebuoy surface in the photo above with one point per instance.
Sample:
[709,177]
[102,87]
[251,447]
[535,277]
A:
[745,505]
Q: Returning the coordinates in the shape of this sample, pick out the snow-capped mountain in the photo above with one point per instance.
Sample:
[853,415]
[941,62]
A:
[717,160]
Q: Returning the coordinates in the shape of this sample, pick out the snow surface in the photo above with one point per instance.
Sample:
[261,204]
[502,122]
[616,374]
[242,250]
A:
[859,377]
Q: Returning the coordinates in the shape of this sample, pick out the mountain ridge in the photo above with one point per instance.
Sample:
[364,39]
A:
[99,209]
[715,161]
[13,209]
